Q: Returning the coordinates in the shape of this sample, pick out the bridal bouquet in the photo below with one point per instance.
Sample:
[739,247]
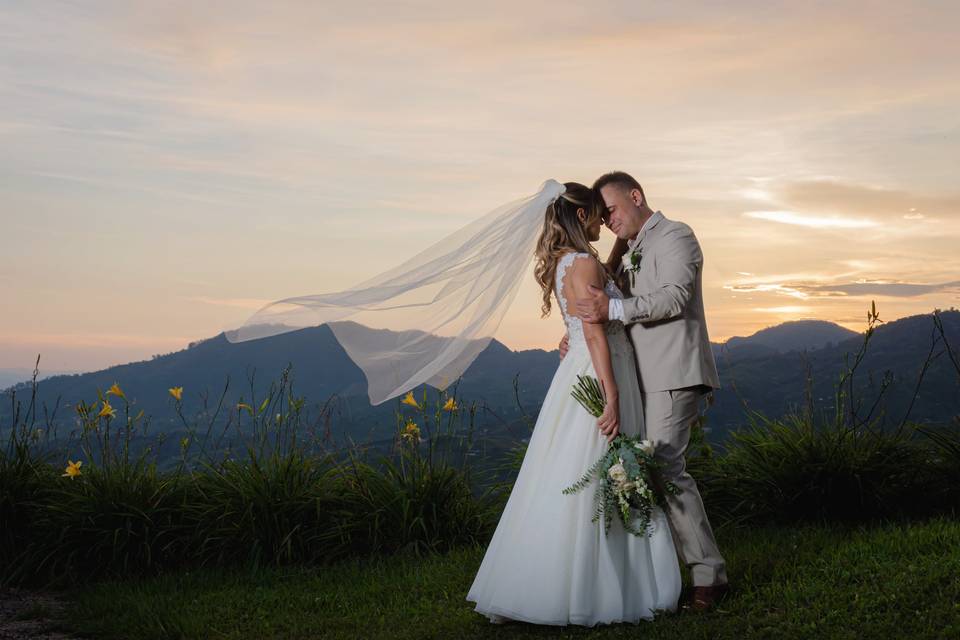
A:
[630,479]
[589,394]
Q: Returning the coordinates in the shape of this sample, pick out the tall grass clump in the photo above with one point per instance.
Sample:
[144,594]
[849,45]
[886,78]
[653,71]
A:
[792,469]
[25,480]
[945,441]
[269,502]
[257,488]
[280,503]
[423,498]
[108,512]
[120,519]
[274,509]
[841,466]
[411,507]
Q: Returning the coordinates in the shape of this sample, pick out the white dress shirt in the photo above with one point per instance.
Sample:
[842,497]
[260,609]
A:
[615,308]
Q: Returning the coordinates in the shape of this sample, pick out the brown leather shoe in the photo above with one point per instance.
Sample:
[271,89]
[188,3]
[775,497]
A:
[706,598]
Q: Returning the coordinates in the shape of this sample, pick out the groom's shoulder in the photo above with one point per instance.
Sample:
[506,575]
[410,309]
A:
[675,227]
[678,237]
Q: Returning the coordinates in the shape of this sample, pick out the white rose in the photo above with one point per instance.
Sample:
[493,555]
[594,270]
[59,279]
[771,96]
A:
[647,446]
[628,261]
[617,473]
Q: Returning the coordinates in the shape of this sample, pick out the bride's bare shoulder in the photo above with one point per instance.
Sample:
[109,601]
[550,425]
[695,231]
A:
[585,270]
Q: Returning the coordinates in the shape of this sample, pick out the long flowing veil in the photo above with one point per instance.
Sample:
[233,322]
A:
[426,320]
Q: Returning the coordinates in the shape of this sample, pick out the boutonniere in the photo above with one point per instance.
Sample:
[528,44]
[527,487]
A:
[631,263]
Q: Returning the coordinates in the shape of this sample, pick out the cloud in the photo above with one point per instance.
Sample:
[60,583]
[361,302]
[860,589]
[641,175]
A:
[889,289]
[283,131]
[817,222]
[98,340]
[786,309]
[239,303]
[806,290]
[814,196]
[775,288]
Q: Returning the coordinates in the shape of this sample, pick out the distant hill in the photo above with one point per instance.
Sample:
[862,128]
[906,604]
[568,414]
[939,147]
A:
[798,335]
[765,371]
[10,377]
[320,367]
[775,382]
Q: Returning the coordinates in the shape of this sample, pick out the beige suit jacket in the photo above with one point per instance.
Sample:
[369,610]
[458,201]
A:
[665,313]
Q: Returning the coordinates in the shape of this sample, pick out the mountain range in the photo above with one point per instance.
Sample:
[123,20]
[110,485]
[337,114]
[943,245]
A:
[769,371]
[799,335]
[10,377]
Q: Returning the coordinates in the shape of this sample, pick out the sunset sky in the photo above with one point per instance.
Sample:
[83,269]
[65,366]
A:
[168,167]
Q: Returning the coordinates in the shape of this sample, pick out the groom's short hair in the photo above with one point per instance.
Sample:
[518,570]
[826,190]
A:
[621,179]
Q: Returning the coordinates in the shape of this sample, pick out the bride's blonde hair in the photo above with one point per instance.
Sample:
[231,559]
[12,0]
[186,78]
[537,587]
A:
[562,233]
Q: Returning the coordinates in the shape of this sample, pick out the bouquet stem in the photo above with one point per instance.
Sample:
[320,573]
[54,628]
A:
[589,393]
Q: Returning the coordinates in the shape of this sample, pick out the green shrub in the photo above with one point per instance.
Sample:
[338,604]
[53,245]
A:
[285,500]
[118,519]
[416,506]
[26,478]
[945,443]
[844,467]
[275,509]
[791,470]
[280,503]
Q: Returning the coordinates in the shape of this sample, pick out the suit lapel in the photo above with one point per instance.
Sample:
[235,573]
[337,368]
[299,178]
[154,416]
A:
[654,220]
[644,239]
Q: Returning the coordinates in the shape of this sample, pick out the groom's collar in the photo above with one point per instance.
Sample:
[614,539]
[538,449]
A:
[649,224]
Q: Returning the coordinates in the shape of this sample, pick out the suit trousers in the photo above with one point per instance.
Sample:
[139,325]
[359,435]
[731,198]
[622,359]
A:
[669,416]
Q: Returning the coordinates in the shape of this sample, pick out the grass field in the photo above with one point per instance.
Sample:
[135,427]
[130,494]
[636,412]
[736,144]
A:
[890,581]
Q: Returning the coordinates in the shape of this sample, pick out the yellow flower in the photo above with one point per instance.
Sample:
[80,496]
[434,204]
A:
[117,391]
[409,400]
[451,405]
[73,469]
[177,393]
[411,432]
[107,411]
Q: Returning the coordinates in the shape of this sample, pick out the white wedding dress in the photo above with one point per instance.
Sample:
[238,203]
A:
[547,563]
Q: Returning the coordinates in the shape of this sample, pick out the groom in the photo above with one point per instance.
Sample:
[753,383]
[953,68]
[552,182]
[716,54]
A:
[662,266]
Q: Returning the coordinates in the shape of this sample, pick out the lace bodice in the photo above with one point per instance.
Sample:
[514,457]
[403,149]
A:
[575,324]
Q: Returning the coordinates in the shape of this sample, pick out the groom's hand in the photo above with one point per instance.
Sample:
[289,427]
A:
[564,346]
[595,307]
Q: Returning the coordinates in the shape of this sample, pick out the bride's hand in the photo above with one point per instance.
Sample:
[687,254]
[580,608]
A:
[609,420]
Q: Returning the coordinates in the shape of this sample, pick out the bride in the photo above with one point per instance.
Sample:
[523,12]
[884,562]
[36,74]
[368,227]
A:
[547,562]
[426,320]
